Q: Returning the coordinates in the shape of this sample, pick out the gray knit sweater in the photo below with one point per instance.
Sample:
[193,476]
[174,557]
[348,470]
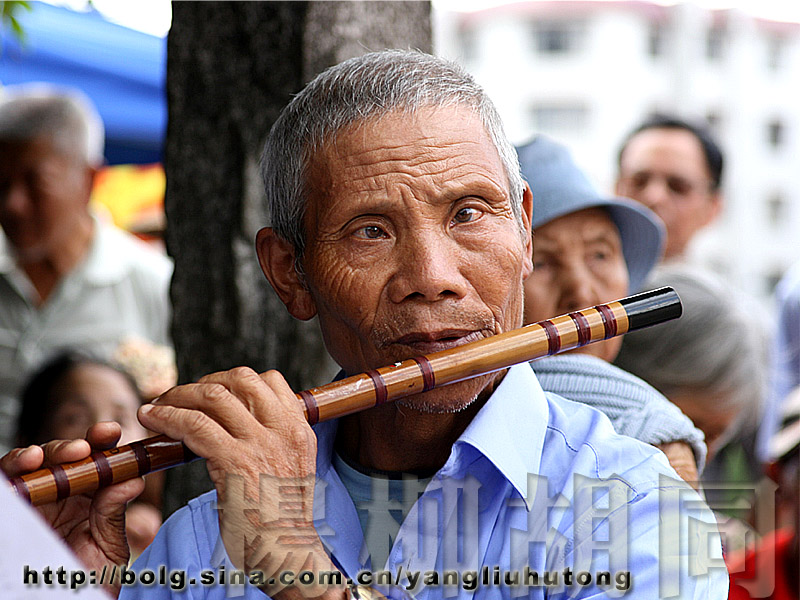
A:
[635,408]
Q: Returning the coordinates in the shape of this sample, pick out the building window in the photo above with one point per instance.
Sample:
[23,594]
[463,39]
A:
[776,133]
[714,120]
[777,211]
[655,40]
[715,43]
[557,37]
[771,281]
[775,53]
[559,118]
[468,37]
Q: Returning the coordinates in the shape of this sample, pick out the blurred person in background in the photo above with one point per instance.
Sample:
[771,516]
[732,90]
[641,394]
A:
[770,569]
[674,168]
[712,363]
[71,392]
[587,250]
[66,280]
[151,365]
[786,350]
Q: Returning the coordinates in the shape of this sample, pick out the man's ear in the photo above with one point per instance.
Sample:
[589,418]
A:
[89,174]
[527,220]
[715,207]
[277,259]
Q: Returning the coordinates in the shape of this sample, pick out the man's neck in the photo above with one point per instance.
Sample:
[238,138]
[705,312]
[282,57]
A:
[46,272]
[401,439]
[396,437]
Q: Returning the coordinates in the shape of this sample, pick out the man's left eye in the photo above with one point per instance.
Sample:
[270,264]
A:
[465,215]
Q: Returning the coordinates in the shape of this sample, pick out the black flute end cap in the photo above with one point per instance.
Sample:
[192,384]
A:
[652,307]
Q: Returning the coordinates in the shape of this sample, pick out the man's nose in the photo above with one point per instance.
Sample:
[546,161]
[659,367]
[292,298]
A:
[654,194]
[429,268]
[577,289]
[15,198]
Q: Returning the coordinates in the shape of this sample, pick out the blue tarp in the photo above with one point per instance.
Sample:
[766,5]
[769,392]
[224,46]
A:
[122,70]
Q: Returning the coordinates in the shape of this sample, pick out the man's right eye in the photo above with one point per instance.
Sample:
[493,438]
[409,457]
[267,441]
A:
[370,232]
[639,181]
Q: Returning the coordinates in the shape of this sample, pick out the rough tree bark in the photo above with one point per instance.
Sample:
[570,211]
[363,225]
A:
[231,67]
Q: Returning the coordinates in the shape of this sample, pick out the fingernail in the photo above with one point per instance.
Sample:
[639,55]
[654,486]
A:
[145,408]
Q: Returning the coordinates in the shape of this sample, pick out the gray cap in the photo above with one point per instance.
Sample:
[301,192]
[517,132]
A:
[560,188]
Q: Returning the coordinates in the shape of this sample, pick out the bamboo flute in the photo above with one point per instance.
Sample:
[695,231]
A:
[360,392]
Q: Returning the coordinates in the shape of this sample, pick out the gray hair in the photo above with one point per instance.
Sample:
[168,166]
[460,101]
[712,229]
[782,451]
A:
[715,347]
[356,90]
[67,117]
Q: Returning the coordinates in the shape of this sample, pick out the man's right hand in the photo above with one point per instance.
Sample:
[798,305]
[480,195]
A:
[92,525]
[261,455]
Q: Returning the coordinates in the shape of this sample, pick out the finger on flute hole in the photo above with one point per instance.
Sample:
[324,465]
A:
[59,451]
[104,435]
[22,460]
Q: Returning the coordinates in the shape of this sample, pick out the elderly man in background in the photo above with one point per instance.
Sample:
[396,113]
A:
[590,249]
[674,168]
[66,280]
[400,220]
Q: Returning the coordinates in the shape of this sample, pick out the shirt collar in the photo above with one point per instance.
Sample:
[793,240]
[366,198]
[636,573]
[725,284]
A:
[514,417]
[107,262]
[7,263]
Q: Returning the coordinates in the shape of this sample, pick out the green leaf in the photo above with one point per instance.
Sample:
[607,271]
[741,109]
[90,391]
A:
[8,16]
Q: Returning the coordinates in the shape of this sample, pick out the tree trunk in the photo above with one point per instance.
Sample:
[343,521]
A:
[231,68]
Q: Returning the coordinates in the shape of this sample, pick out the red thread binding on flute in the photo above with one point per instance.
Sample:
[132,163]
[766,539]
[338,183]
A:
[428,376]
[105,475]
[142,457]
[609,320]
[381,394]
[21,488]
[553,339]
[312,410]
[61,481]
[583,328]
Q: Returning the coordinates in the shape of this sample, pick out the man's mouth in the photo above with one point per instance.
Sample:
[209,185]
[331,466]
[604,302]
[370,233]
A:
[426,342]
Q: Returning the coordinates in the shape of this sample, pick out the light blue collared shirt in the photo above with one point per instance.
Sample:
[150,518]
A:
[536,485]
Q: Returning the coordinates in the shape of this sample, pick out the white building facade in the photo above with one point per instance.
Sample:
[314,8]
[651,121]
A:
[587,72]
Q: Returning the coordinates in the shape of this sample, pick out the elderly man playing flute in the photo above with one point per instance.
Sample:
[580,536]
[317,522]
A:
[400,220]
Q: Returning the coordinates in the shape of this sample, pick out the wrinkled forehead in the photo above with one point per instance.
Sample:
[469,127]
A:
[678,148]
[451,137]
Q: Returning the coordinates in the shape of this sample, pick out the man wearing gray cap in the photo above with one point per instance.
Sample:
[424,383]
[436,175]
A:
[590,249]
